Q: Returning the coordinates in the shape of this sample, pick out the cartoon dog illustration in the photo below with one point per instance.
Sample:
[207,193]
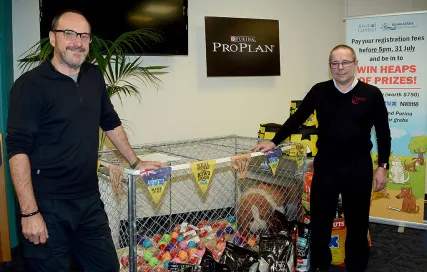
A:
[409,204]
[397,171]
[413,165]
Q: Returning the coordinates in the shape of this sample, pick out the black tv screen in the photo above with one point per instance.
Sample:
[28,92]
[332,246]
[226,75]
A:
[111,18]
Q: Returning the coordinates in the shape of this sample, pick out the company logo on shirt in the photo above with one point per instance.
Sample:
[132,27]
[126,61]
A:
[355,100]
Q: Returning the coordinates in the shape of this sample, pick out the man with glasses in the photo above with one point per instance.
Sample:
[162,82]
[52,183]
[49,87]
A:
[55,113]
[346,110]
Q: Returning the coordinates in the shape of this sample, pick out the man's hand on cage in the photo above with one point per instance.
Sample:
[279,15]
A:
[263,147]
[150,165]
[380,179]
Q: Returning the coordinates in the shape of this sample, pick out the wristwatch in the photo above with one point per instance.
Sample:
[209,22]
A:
[383,165]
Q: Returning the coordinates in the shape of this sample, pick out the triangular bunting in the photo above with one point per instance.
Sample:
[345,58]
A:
[203,171]
[273,159]
[156,181]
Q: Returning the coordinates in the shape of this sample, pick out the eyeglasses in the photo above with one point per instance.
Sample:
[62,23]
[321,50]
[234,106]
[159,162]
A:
[335,65]
[71,35]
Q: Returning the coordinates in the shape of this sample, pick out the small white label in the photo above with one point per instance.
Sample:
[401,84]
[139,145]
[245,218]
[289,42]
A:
[183,227]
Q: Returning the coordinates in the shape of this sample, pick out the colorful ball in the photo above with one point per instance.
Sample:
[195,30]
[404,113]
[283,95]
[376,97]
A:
[173,241]
[200,252]
[220,233]
[162,247]
[180,239]
[183,245]
[234,226]
[174,235]
[220,245]
[176,260]
[157,238]
[174,253]
[238,240]
[231,219]
[166,256]
[166,264]
[229,230]
[166,238]
[162,243]
[192,251]
[169,247]
[147,243]
[251,242]
[147,255]
[191,244]
[141,240]
[182,255]
[153,261]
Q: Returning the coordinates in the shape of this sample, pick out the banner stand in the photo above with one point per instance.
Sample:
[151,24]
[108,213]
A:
[391,50]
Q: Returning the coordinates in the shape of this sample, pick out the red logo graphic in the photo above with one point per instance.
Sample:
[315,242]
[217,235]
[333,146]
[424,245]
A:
[355,100]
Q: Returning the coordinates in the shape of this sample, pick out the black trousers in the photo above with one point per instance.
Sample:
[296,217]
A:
[77,228]
[353,179]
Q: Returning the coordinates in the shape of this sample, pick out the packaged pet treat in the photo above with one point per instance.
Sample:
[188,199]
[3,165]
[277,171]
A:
[239,259]
[303,248]
[181,267]
[208,264]
[337,243]
[278,252]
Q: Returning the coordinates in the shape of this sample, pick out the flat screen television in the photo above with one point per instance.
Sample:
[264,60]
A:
[111,18]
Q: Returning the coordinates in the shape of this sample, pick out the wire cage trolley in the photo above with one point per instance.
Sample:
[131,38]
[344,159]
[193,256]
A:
[213,192]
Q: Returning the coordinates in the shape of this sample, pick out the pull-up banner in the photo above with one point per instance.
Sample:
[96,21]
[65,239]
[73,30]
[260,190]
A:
[392,54]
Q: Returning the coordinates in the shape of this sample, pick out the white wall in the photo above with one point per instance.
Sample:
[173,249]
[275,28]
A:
[191,105]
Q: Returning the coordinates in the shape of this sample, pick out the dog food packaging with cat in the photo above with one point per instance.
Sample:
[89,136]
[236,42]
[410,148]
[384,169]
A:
[278,251]
[303,248]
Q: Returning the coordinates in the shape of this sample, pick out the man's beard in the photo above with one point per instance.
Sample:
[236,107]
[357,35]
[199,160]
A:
[67,61]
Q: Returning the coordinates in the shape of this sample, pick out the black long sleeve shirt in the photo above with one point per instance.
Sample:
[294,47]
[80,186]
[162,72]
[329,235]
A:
[55,121]
[345,120]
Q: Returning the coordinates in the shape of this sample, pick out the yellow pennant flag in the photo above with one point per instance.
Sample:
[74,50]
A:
[203,171]
[156,181]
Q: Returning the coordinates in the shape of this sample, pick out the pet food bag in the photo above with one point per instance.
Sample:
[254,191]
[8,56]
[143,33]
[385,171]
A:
[303,248]
[337,243]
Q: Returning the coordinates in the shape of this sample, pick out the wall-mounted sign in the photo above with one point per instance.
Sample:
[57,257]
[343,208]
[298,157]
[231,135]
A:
[242,47]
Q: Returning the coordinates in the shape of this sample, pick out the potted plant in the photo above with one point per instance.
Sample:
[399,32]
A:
[113,60]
